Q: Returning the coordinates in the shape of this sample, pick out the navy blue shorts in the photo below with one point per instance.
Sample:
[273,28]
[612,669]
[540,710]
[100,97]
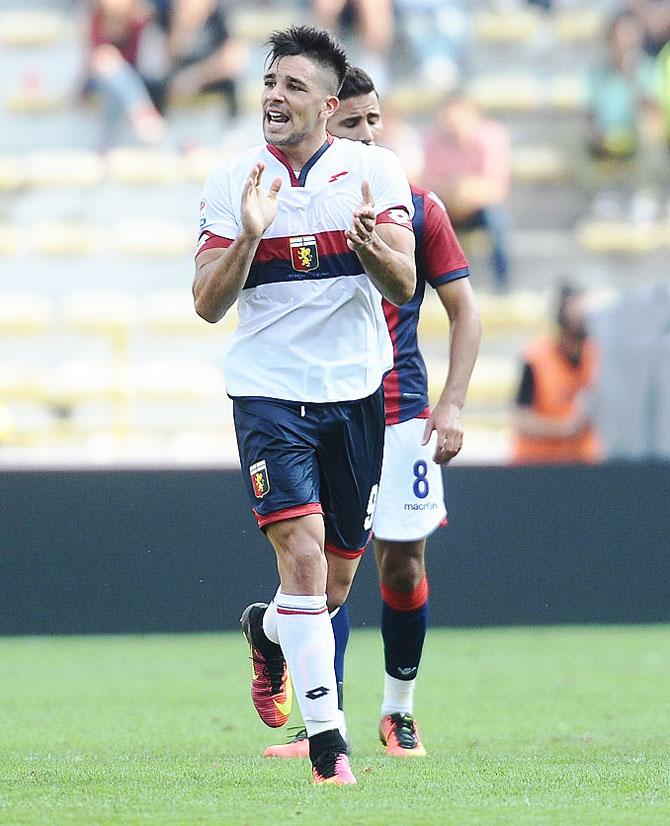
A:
[314,458]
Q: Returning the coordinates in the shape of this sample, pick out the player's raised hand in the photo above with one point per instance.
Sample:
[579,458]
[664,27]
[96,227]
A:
[446,422]
[363,224]
[258,208]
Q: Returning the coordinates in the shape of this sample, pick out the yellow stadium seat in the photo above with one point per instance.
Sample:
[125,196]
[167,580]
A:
[6,424]
[539,163]
[154,238]
[198,163]
[566,92]
[61,238]
[512,314]
[509,26]
[12,241]
[507,92]
[620,236]
[64,169]
[24,313]
[20,384]
[31,27]
[515,313]
[75,381]
[580,24]
[138,165]
[12,172]
[106,313]
[255,25]
[175,380]
[411,100]
[493,381]
[37,101]
[173,312]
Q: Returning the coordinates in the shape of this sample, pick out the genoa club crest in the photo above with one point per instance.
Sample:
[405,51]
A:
[304,255]
[260,479]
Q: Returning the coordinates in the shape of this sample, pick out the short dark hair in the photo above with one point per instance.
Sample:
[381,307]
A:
[566,292]
[357,82]
[317,44]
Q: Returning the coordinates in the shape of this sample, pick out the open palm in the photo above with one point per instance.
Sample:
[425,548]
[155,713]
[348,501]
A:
[258,208]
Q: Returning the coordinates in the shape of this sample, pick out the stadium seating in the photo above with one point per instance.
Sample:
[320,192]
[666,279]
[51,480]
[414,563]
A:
[100,344]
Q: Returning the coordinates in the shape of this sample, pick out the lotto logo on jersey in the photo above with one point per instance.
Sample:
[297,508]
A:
[260,479]
[304,255]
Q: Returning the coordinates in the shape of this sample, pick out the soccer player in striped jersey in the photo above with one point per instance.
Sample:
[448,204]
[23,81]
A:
[418,441]
[308,261]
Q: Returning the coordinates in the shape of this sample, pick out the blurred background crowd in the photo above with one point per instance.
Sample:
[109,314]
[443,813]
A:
[544,126]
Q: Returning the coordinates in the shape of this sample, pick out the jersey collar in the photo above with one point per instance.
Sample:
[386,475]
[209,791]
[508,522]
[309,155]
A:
[300,179]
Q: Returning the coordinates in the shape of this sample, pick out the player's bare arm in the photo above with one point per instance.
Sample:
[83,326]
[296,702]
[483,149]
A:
[458,300]
[386,251]
[220,273]
[529,422]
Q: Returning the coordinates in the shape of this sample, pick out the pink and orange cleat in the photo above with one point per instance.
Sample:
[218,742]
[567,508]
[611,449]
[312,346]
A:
[271,691]
[400,734]
[334,768]
[297,746]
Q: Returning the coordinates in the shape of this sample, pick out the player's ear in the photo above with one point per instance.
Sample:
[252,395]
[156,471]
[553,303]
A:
[330,106]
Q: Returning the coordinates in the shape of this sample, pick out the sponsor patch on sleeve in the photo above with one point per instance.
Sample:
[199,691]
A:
[208,241]
[395,215]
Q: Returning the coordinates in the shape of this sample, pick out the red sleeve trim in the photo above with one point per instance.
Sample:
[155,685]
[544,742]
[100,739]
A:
[406,600]
[345,553]
[395,215]
[209,241]
[264,519]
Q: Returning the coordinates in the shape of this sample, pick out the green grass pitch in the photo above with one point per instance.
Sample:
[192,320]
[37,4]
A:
[523,726]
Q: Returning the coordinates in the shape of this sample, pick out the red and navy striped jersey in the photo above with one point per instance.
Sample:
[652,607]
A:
[439,259]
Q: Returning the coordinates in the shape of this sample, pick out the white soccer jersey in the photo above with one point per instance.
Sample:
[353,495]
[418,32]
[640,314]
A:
[311,326]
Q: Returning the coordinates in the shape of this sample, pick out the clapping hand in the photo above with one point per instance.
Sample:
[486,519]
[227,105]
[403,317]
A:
[258,208]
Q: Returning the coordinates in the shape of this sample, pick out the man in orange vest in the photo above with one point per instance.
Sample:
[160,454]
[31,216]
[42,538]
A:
[550,421]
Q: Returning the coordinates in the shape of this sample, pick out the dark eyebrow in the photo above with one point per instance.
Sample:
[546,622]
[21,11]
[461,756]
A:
[291,79]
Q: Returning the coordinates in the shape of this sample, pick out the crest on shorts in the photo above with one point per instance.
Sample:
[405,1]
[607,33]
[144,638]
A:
[304,255]
[259,478]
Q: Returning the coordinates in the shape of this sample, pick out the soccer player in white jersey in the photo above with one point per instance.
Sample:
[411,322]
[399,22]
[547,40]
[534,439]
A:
[410,504]
[308,259]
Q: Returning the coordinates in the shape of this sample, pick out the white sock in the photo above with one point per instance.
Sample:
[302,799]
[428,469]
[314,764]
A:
[306,638]
[270,621]
[398,696]
[341,723]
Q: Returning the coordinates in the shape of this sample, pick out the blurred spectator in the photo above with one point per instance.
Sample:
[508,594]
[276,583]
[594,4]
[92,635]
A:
[202,56]
[368,26]
[551,422]
[663,73]
[439,33]
[620,103]
[654,19]
[404,139]
[618,85]
[468,165]
[115,32]
[632,389]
